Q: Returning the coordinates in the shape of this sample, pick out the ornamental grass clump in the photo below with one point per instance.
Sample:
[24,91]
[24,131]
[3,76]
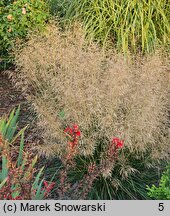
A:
[69,80]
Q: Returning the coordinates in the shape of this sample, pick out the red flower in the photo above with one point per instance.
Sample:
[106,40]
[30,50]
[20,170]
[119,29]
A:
[48,187]
[73,134]
[76,130]
[75,127]
[116,141]
[68,130]
[73,131]
[78,133]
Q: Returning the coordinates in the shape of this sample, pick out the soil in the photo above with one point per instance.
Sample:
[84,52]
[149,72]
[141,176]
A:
[10,98]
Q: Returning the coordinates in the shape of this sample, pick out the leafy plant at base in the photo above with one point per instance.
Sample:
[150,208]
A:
[162,191]
[17,169]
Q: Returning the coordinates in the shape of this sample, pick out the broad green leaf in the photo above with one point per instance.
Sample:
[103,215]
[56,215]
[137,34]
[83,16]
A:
[12,124]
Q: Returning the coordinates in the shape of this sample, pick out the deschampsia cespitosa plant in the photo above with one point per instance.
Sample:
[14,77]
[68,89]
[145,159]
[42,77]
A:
[69,80]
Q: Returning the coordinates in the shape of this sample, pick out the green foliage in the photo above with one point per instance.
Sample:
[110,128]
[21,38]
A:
[16,19]
[127,24]
[162,191]
[8,126]
[17,179]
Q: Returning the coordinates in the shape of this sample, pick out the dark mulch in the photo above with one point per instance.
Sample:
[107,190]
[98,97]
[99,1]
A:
[10,98]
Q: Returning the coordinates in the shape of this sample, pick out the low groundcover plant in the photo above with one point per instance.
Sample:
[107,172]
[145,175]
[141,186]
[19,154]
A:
[162,191]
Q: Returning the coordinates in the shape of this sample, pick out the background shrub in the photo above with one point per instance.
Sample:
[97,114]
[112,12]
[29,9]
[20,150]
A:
[134,25]
[16,19]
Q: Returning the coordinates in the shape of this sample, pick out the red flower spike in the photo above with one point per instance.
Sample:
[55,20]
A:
[75,128]
[45,183]
[74,133]
[116,141]
[78,133]
[68,130]
[49,187]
